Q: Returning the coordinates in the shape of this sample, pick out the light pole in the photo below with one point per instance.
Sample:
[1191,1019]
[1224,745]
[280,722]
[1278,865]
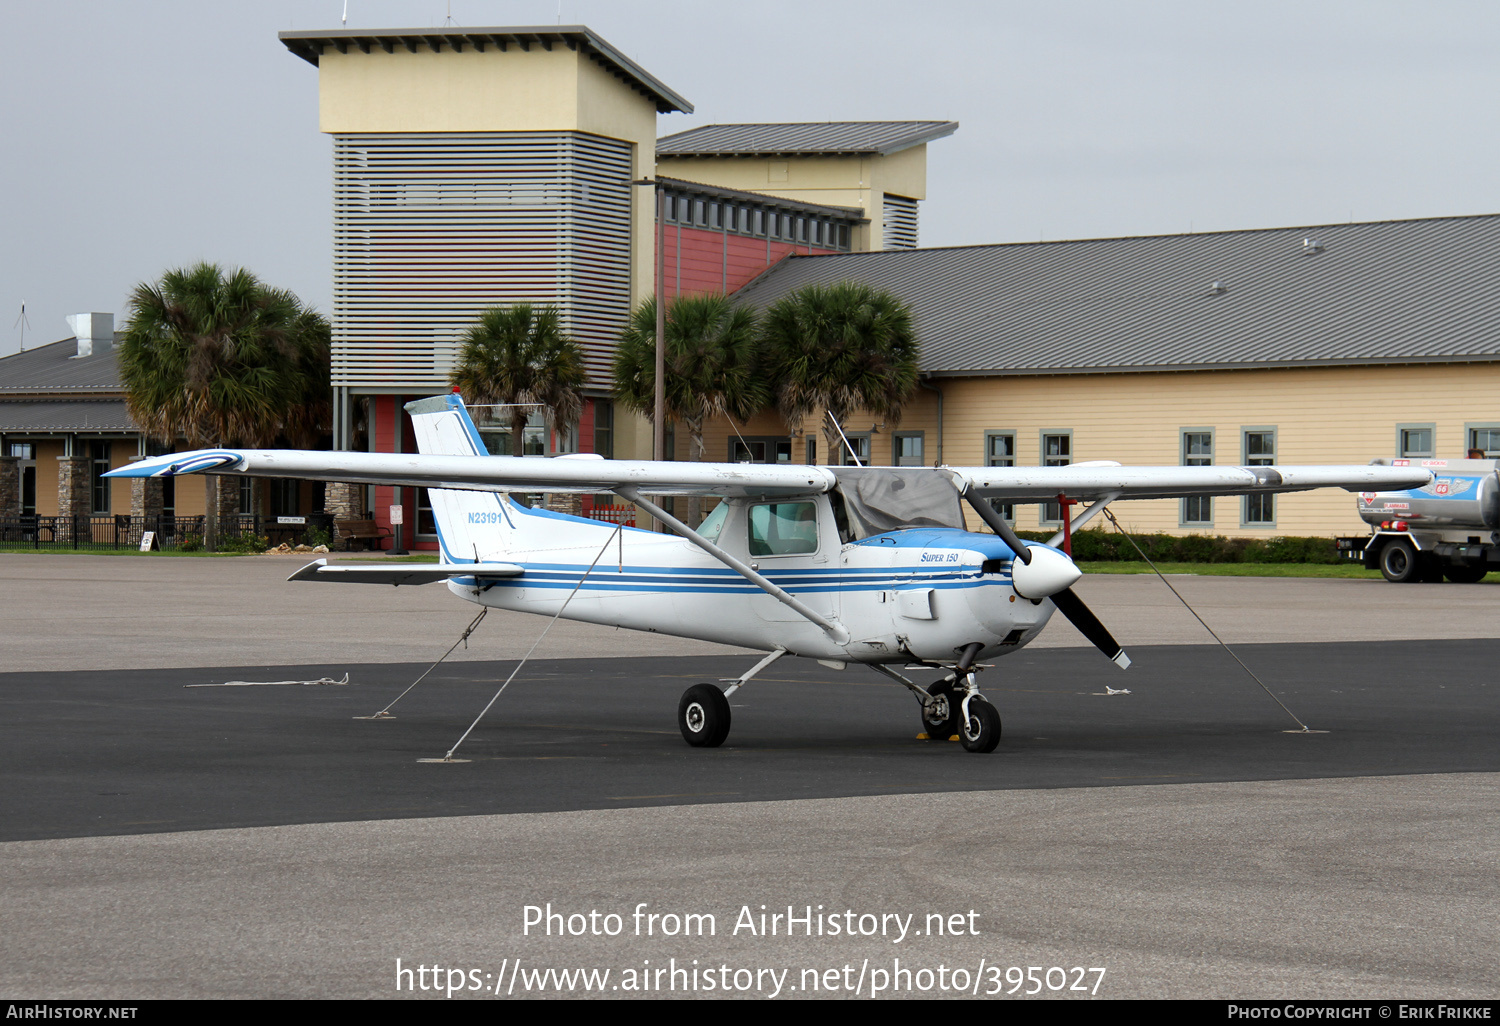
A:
[659,397]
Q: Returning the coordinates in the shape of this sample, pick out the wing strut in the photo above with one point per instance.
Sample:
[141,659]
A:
[1094,509]
[835,631]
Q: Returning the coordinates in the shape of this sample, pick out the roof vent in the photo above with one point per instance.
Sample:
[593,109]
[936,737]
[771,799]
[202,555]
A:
[1311,246]
[1218,288]
[92,328]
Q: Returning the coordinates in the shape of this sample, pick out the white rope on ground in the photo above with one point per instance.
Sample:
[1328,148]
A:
[1305,728]
[269,683]
[619,530]
[385,714]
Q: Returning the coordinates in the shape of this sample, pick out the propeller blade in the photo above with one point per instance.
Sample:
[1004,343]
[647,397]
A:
[1089,626]
[999,526]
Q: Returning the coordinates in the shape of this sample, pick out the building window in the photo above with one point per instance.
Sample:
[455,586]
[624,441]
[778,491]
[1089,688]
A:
[1260,451]
[1485,437]
[25,452]
[497,439]
[285,497]
[247,496]
[1198,451]
[1415,440]
[760,450]
[98,467]
[858,452]
[812,451]
[1000,451]
[1057,451]
[907,448]
[426,523]
[604,429]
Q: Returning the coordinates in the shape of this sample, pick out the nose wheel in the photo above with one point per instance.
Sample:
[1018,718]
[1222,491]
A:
[980,729]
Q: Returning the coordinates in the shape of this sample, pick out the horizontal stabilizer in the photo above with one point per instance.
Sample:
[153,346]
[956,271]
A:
[402,573]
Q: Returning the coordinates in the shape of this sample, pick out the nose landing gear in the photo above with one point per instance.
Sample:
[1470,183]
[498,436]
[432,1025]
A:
[953,705]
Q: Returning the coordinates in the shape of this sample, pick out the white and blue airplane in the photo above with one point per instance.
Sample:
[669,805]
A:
[868,565]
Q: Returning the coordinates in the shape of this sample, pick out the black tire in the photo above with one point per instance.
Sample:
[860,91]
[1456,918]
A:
[940,717]
[1464,574]
[1399,563]
[703,716]
[981,728]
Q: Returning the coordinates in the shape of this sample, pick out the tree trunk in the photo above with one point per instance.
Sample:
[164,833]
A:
[695,444]
[518,445]
[518,434]
[210,512]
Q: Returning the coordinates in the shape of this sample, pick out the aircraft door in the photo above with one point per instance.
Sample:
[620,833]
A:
[794,543]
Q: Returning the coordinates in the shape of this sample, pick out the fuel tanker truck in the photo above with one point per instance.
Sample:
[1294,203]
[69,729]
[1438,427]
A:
[1449,528]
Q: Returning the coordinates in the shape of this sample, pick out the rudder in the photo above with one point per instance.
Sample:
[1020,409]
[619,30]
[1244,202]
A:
[471,526]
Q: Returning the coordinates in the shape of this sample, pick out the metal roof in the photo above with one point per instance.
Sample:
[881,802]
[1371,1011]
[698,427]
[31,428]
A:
[88,415]
[821,137]
[55,367]
[1369,293]
[310,46]
[852,214]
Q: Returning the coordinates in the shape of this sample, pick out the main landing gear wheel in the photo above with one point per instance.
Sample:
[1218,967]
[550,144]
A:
[981,727]
[1399,562]
[703,716]
[940,717]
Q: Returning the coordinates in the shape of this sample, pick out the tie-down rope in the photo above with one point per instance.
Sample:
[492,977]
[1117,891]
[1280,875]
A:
[385,714]
[619,530]
[1305,729]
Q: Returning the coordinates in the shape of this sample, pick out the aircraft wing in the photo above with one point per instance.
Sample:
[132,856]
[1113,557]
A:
[495,473]
[402,573]
[1090,481]
[1084,481]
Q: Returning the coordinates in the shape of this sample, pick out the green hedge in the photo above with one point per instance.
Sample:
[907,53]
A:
[1096,546]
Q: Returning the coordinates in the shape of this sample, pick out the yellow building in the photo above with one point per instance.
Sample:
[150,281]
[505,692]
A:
[878,167]
[1330,344]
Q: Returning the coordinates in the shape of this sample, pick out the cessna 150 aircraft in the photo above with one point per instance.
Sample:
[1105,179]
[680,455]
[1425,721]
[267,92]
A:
[869,565]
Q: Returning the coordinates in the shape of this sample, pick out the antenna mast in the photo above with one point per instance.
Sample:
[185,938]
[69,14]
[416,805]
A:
[23,322]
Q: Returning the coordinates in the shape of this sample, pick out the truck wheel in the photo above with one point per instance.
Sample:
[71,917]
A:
[1399,562]
[1462,574]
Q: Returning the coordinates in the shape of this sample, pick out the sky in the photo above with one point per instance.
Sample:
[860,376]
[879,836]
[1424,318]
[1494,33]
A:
[141,136]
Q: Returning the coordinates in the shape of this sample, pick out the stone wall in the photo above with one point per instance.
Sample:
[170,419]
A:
[73,498]
[10,486]
[145,497]
[344,500]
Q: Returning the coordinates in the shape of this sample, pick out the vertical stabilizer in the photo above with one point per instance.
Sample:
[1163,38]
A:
[472,526]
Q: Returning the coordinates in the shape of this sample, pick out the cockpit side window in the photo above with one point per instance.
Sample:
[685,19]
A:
[714,522]
[783,528]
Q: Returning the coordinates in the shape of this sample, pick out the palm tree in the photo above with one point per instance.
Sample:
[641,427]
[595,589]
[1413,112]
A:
[840,348]
[520,357]
[711,366]
[222,359]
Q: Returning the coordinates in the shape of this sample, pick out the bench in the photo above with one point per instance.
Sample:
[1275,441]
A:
[367,531]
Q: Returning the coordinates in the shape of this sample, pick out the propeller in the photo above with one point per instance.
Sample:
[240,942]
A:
[1071,606]
[1047,573]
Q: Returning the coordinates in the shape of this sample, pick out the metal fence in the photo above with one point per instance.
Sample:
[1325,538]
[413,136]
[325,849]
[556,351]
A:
[122,531]
[612,514]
